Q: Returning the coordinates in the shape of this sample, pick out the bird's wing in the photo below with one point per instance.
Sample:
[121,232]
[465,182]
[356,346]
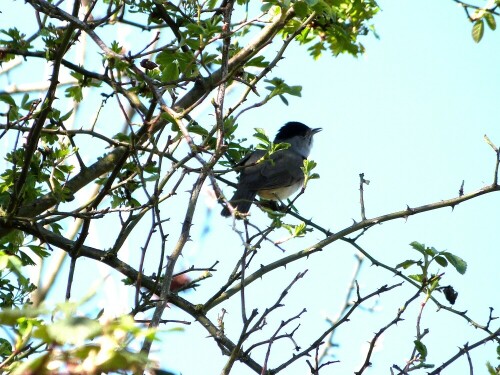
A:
[281,171]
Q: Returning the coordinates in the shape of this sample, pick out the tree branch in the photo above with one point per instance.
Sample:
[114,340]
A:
[364,224]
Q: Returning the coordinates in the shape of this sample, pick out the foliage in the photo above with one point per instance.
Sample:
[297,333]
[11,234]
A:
[479,15]
[68,342]
[114,138]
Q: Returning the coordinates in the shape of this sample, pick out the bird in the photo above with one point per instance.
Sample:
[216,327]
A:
[277,177]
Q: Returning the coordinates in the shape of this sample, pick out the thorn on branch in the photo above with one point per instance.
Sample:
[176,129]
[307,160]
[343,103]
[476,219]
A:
[410,211]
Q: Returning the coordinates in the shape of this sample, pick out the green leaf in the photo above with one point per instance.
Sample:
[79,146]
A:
[275,147]
[295,90]
[308,166]
[151,168]
[421,349]
[56,228]
[431,251]
[211,4]
[5,348]
[434,284]
[478,30]
[261,135]
[170,73]
[12,316]
[259,62]
[39,250]
[418,246]
[25,259]
[314,176]
[26,103]
[73,330]
[491,369]
[406,264]
[301,8]
[122,137]
[300,230]
[457,262]
[67,115]
[441,261]
[6,98]
[74,92]
[316,50]
[283,99]
[418,278]
[490,20]
[197,129]
[116,201]
[266,7]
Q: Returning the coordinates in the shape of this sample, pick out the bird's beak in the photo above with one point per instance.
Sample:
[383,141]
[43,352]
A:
[316,130]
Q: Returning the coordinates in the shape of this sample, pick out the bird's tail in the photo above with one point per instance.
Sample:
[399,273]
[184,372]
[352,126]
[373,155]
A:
[241,200]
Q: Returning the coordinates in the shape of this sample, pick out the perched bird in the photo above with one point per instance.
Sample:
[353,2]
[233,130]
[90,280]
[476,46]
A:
[279,176]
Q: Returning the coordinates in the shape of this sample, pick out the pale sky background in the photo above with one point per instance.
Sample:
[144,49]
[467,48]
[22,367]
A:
[411,115]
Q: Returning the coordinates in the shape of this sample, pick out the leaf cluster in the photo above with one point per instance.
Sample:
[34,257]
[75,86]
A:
[482,16]
[86,344]
[430,280]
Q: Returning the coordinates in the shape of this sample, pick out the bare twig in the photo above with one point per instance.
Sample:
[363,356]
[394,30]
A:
[466,349]
[393,322]
[362,182]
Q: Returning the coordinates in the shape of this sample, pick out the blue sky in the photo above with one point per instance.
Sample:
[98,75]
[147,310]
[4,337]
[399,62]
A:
[410,114]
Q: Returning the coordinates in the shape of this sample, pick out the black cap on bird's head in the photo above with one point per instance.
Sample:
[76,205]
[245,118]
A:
[292,129]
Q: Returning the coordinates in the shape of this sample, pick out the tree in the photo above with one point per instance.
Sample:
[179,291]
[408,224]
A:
[116,137]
